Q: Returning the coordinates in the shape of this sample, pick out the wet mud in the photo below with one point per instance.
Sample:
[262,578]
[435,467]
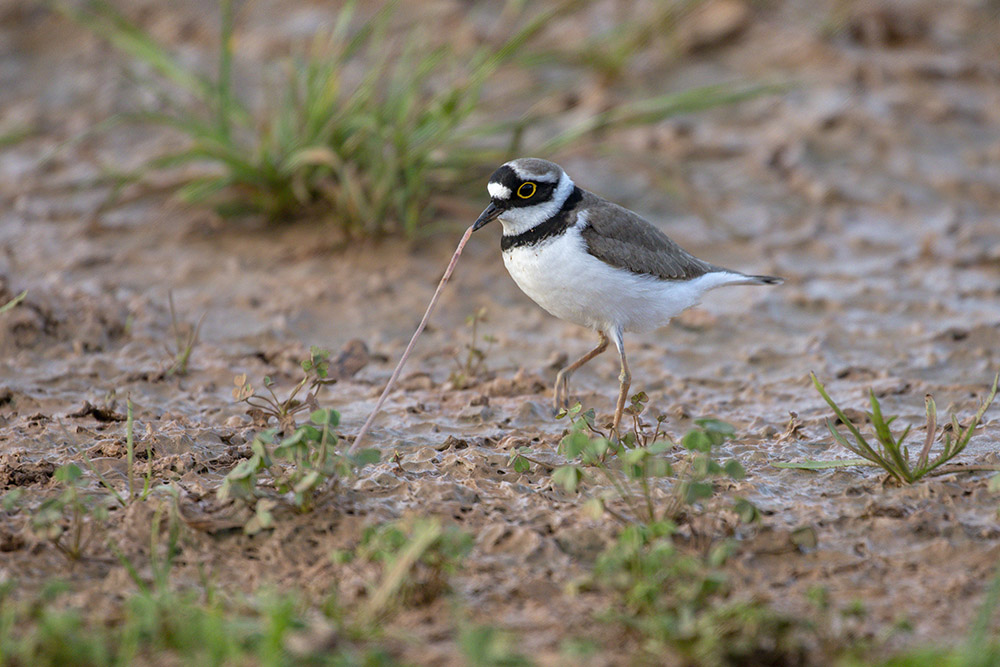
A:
[872,185]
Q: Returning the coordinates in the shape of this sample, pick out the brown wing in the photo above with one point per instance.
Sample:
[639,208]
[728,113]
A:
[623,239]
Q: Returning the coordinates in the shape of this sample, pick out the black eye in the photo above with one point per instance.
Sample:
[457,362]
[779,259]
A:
[527,190]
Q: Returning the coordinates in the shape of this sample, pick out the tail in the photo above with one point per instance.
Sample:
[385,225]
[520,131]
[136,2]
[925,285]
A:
[729,277]
[763,280]
[723,277]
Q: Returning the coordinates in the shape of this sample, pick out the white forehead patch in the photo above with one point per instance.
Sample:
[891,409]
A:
[498,190]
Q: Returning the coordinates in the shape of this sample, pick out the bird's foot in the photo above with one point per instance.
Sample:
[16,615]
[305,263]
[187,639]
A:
[560,395]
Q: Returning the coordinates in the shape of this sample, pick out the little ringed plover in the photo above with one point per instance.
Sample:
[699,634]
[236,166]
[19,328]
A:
[592,262]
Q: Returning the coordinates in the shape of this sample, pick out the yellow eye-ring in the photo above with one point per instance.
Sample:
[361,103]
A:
[527,190]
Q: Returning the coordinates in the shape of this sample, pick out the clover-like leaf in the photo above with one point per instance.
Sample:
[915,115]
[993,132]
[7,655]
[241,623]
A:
[695,491]
[68,474]
[519,463]
[574,443]
[324,417]
[366,457]
[696,441]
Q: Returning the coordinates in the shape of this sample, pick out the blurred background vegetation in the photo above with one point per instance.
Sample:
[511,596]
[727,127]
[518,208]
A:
[376,121]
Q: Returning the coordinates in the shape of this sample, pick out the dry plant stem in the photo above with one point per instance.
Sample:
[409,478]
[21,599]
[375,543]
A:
[931,412]
[409,348]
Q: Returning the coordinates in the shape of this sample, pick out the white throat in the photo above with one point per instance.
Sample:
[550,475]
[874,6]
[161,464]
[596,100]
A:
[519,220]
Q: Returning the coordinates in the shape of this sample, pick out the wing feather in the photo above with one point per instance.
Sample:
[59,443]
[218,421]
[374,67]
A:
[625,240]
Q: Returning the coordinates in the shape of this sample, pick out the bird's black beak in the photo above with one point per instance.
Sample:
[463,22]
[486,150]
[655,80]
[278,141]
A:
[491,213]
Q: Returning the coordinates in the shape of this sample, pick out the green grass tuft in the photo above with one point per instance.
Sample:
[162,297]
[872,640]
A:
[889,451]
[369,153]
[376,155]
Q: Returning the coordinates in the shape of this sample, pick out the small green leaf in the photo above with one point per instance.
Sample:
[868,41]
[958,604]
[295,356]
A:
[575,443]
[720,553]
[568,477]
[660,446]
[11,499]
[696,441]
[635,457]
[366,457]
[716,426]
[746,510]
[657,467]
[68,474]
[262,518]
[696,491]
[734,469]
[323,417]
[308,481]
[597,448]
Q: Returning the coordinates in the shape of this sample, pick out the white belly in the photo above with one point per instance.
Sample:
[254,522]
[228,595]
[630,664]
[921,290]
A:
[564,279]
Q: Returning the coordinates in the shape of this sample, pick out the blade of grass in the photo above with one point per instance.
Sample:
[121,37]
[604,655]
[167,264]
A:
[13,302]
[223,86]
[865,449]
[955,447]
[931,409]
[979,637]
[424,535]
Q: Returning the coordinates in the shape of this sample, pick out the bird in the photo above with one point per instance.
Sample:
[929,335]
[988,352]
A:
[592,262]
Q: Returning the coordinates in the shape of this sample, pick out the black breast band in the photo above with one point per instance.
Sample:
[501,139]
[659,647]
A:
[553,226]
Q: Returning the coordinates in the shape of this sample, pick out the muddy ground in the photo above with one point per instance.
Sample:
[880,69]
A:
[872,185]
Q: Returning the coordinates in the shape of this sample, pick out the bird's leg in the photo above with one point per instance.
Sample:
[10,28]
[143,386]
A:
[561,392]
[625,378]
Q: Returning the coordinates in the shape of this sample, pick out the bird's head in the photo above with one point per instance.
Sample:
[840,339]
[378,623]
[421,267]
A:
[524,193]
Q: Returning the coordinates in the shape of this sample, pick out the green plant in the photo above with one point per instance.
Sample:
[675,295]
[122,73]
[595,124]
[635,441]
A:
[370,153]
[130,494]
[267,406]
[475,357]
[66,520]
[889,452]
[680,602]
[640,463]
[313,464]
[418,558]
[375,155]
[169,626]
[981,647]
[485,646]
[185,338]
